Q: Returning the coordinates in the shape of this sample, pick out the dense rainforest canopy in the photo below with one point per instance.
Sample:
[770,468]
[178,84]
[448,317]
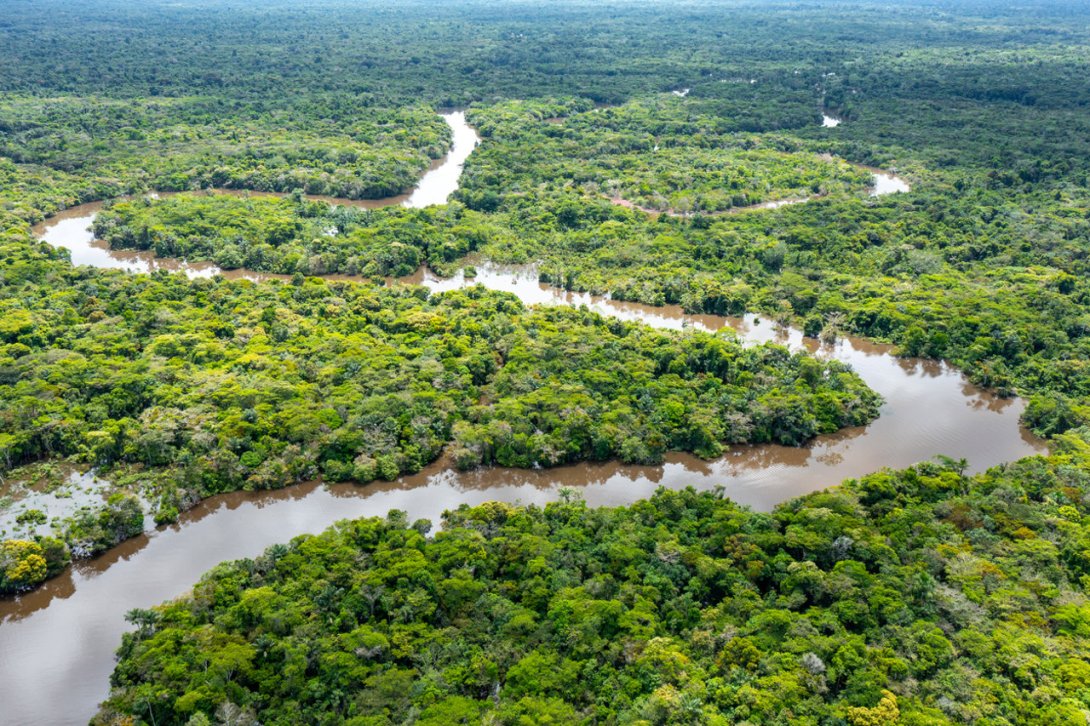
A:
[192,388]
[626,149]
[913,597]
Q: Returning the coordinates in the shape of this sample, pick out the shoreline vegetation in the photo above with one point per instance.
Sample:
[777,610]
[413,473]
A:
[684,606]
[358,382]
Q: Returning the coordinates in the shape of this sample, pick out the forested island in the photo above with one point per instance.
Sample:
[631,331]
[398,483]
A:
[666,153]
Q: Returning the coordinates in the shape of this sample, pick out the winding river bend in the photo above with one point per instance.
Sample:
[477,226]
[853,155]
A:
[57,643]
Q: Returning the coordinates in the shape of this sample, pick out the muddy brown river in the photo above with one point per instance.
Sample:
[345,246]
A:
[57,643]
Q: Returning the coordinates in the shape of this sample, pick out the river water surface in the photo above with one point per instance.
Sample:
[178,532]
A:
[57,643]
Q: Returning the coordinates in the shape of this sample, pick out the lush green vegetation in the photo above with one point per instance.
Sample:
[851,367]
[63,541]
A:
[984,267]
[294,235]
[920,596]
[26,563]
[211,386]
[988,273]
[337,146]
[912,597]
[661,153]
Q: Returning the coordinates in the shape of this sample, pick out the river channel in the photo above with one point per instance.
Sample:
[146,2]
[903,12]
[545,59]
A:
[57,643]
